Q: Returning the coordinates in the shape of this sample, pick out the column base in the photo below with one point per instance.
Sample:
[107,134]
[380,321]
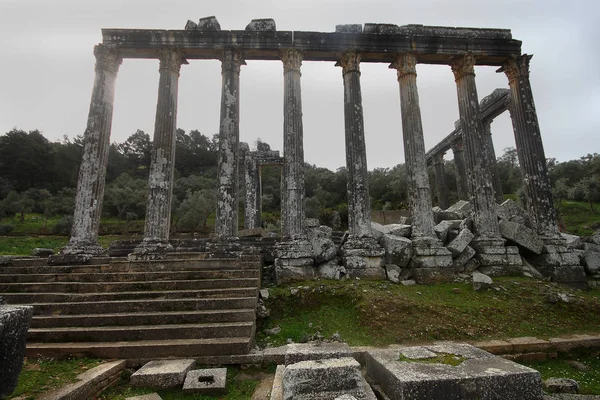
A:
[151,249]
[560,263]
[224,247]
[78,252]
[431,261]
[294,261]
[363,258]
[496,259]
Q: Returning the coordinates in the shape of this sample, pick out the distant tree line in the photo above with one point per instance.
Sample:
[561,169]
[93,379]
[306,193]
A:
[40,176]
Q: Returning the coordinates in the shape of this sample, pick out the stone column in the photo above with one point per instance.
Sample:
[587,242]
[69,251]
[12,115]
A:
[92,171]
[461,171]
[162,164]
[556,260]
[431,259]
[252,205]
[292,188]
[491,156]
[226,224]
[440,181]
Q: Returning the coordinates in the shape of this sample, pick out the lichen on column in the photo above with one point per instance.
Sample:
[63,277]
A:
[92,170]
[226,224]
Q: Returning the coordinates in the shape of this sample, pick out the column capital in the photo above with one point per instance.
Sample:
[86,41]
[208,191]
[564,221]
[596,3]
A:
[458,146]
[516,67]
[171,59]
[107,59]
[406,64]
[292,60]
[462,66]
[349,61]
[232,60]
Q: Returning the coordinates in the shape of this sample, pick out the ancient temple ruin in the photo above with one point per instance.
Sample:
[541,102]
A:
[402,47]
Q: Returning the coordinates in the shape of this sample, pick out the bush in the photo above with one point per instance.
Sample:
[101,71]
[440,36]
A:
[63,226]
[6,229]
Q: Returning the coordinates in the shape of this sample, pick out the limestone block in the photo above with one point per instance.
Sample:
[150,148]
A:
[561,385]
[530,269]
[595,238]
[511,211]
[459,262]
[162,374]
[325,379]
[398,249]
[573,241]
[381,29]
[390,229]
[210,381]
[521,235]
[294,269]
[429,276]
[41,252]
[331,269]
[462,207]
[320,239]
[14,324]
[481,281]
[460,243]
[591,262]
[190,25]
[208,24]
[309,352]
[591,247]
[349,28]
[470,266]
[444,227]
[262,25]
[393,272]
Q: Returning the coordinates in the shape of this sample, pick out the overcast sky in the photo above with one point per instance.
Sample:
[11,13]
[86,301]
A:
[47,71]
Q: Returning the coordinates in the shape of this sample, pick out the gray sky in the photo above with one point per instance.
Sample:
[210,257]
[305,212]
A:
[47,71]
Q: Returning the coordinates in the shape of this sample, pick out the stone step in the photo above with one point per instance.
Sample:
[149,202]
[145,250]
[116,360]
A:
[94,287]
[124,306]
[50,297]
[144,318]
[135,333]
[131,276]
[143,349]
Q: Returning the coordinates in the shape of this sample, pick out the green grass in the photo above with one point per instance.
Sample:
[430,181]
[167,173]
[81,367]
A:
[578,218]
[589,380]
[23,245]
[380,313]
[43,375]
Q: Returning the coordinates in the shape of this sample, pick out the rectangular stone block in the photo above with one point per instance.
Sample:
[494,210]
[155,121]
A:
[528,344]
[209,381]
[297,352]
[162,374]
[495,346]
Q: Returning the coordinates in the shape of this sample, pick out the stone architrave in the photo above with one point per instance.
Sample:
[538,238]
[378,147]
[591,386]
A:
[226,223]
[461,171]
[92,171]
[440,181]
[252,203]
[474,139]
[162,164]
[491,156]
[292,188]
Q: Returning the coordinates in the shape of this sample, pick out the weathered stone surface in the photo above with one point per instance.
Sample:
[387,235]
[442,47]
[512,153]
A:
[393,272]
[209,381]
[530,270]
[591,262]
[444,227]
[14,324]
[40,252]
[309,352]
[162,374]
[398,250]
[481,281]
[462,207]
[459,262]
[262,25]
[363,258]
[511,211]
[561,385]
[69,259]
[591,247]
[521,235]
[190,25]
[382,29]
[323,247]
[331,269]
[208,24]
[6,260]
[573,241]
[349,28]
[325,379]
[460,243]
[595,238]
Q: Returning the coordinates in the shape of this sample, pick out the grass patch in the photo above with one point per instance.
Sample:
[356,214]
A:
[23,245]
[587,373]
[441,358]
[240,386]
[43,375]
[381,313]
[578,218]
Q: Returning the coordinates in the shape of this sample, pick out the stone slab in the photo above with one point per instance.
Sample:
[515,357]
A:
[460,243]
[528,344]
[209,381]
[297,352]
[151,396]
[495,346]
[521,235]
[277,389]
[162,374]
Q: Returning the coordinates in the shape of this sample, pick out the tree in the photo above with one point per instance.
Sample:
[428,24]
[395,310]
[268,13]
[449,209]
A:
[126,194]
[587,189]
[195,209]
[16,203]
[138,150]
[560,191]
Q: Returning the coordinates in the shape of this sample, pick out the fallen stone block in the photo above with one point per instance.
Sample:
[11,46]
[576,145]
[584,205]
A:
[162,374]
[208,24]
[521,235]
[444,227]
[206,381]
[591,247]
[41,252]
[591,262]
[14,324]
[460,243]
[331,269]
[189,26]
[462,208]
[561,385]
[459,262]
[393,272]
[511,211]
[595,238]
[262,25]
[481,281]
[398,250]
[573,241]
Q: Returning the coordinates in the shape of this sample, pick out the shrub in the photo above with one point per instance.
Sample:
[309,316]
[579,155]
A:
[63,226]
[6,229]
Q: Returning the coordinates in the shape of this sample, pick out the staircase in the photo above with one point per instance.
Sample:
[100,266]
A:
[184,306]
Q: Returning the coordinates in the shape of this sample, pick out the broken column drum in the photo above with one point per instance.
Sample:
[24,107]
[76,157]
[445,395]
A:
[461,171]
[226,223]
[292,188]
[92,171]
[162,164]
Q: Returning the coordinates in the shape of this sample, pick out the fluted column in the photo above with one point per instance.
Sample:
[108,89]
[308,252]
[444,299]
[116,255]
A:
[92,171]
[252,205]
[414,147]
[359,204]
[162,164]
[530,148]
[229,137]
[491,156]
[292,188]
[478,176]
[440,181]
[461,172]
